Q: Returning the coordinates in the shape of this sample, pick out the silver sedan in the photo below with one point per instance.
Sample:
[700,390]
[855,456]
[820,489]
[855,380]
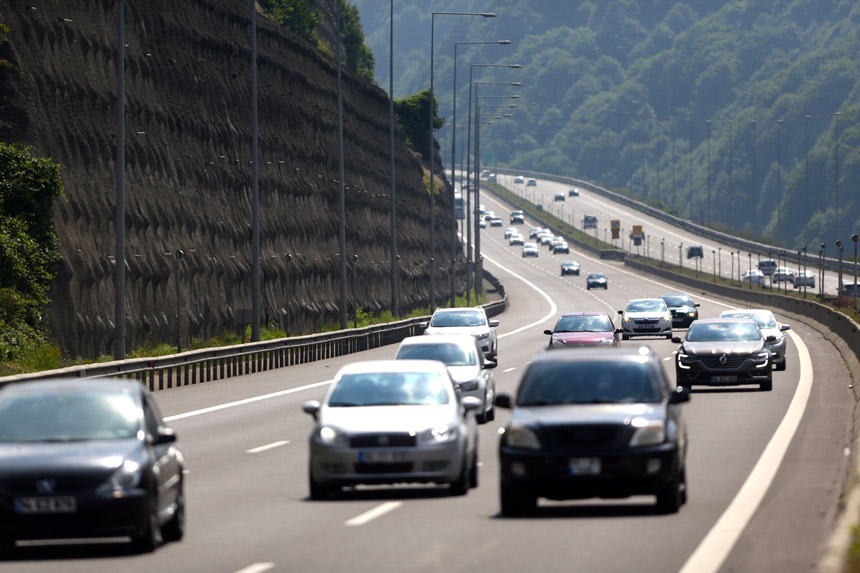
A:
[393,421]
[769,326]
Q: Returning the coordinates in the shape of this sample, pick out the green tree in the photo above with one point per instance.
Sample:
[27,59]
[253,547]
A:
[298,16]
[358,56]
[412,113]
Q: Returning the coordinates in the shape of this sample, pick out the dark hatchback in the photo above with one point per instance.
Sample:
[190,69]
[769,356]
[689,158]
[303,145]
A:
[593,423]
[683,308]
[87,459]
[724,352]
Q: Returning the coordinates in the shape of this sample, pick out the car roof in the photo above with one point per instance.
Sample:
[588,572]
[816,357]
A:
[72,384]
[459,339]
[372,366]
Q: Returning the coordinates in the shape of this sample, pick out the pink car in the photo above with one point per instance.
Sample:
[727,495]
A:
[578,329]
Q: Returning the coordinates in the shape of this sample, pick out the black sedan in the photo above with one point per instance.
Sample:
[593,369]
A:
[87,459]
[596,280]
[683,308]
[569,268]
[593,423]
[724,352]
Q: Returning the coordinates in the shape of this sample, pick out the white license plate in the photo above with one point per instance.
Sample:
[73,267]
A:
[723,379]
[584,466]
[383,457]
[65,504]
[646,327]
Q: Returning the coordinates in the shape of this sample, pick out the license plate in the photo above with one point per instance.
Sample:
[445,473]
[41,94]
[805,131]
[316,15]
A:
[64,504]
[647,327]
[584,466]
[723,379]
[383,457]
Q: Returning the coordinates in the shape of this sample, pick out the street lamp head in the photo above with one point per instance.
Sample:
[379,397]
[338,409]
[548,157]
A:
[515,66]
[854,238]
[488,14]
[504,42]
[838,243]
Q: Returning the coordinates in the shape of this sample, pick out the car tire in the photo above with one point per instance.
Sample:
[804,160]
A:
[587,287]
[491,414]
[317,490]
[515,504]
[781,366]
[482,418]
[174,529]
[625,337]
[460,486]
[670,497]
[473,470]
[147,541]
[669,336]
[766,386]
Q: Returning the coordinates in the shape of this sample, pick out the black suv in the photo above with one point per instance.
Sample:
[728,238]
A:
[517,218]
[695,251]
[602,422]
[724,352]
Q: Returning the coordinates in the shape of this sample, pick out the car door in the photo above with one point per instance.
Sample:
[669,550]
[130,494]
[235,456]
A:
[167,468]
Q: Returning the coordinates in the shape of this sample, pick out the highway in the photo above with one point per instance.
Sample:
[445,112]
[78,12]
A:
[765,469]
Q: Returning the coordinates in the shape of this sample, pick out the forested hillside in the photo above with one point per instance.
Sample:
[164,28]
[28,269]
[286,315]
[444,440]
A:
[619,92]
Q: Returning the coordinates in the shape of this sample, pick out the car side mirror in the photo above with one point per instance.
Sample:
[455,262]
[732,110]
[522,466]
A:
[470,403]
[621,312]
[503,400]
[490,364]
[697,305]
[423,324]
[679,395]
[673,311]
[494,323]
[676,339]
[547,331]
[785,327]
[311,407]
[619,331]
[164,436]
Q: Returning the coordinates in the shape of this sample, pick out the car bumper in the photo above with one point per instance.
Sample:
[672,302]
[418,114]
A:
[437,463]
[778,351]
[657,330]
[94,516]
[631,471]
[727,377]
[683,320]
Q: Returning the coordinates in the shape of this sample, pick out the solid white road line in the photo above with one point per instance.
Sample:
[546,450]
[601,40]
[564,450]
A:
[377,511]
[552,307]
[246,401]
[508,369]
[718,543]
[257,568]
[273,445]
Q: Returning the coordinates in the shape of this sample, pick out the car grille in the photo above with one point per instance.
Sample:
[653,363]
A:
[713,362]
[30,485]
[587,434]
[382,441]
[645,321]
[395,468]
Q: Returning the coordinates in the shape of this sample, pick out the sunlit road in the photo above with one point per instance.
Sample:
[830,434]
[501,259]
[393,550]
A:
[245,444]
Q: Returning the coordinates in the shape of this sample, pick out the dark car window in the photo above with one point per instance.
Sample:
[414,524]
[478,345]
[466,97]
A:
[583,324]
[443,319]
[449,354]
[390,389]
[678,300]
[68,416]
[701,332]
[598,382]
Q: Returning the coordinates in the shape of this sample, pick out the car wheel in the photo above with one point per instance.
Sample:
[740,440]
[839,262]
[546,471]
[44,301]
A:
[766,386]
[587,287]
[669,336]
[317,490]
[147,541]
[460,486]
[491,414]
[473,470]
[780,366]
[174,529]
[514,503]
[482,417]
[625,337]
[670,496]
[684,486]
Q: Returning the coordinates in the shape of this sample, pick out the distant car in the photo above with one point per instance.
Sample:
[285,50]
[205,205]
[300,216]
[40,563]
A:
[646,317]
[578,329]
[569,268]
[518,179]
[724,352]
[465,320]
[769,327]
[482,223]
[767,266]
[491,178]
[518,218]
[469,369]
[530,250]
[510,231]
[86,458]
[534,232]
[559,197]
[596,280]
[684,310]
[391,421]
[496,222]
[573,192]
[593,423]
[755,277]
[485,173]
[560,246]
[849,290]
[545,238]
[804,278]
[782,274]
[532,183]
[516,239]
[589,222]
[695,251]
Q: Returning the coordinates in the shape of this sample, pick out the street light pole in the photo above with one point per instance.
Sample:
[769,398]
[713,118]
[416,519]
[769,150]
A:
[854,288]
[395,294]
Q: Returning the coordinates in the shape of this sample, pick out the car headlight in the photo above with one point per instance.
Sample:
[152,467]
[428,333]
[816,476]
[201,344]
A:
[483,336]
[439,434]
[628,319]
[521,438]
[126,477]
[693,314]
[685,360]
[668,317]
[648,432]
[607,341]
[762,359]
[331,436]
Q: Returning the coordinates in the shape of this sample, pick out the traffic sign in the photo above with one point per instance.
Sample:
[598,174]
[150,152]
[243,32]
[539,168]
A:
[615,225]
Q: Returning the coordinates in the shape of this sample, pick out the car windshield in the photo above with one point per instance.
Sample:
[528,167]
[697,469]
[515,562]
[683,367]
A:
[678,300]
[464,318]
[764,320]
[647,306]
[449,354]
[583,324]
[596,276]
[717,331]
[587,382]
[390,389]
[68,416]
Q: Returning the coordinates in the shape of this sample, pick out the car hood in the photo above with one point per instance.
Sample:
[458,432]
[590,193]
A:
[722,347]
[583,338]
[463,373]
[597,280]
[649,314]
[471,330]
[567,414]
[372,419]
[51,457]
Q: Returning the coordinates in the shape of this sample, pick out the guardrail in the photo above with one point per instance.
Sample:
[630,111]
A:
[199,366]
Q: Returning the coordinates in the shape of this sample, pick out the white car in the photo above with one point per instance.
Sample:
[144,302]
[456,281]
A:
[390,421]
[530,250]
[516,239]
[754,276]
[465,320]
[769,326]
[518,179]
[646,317]
[510,231]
